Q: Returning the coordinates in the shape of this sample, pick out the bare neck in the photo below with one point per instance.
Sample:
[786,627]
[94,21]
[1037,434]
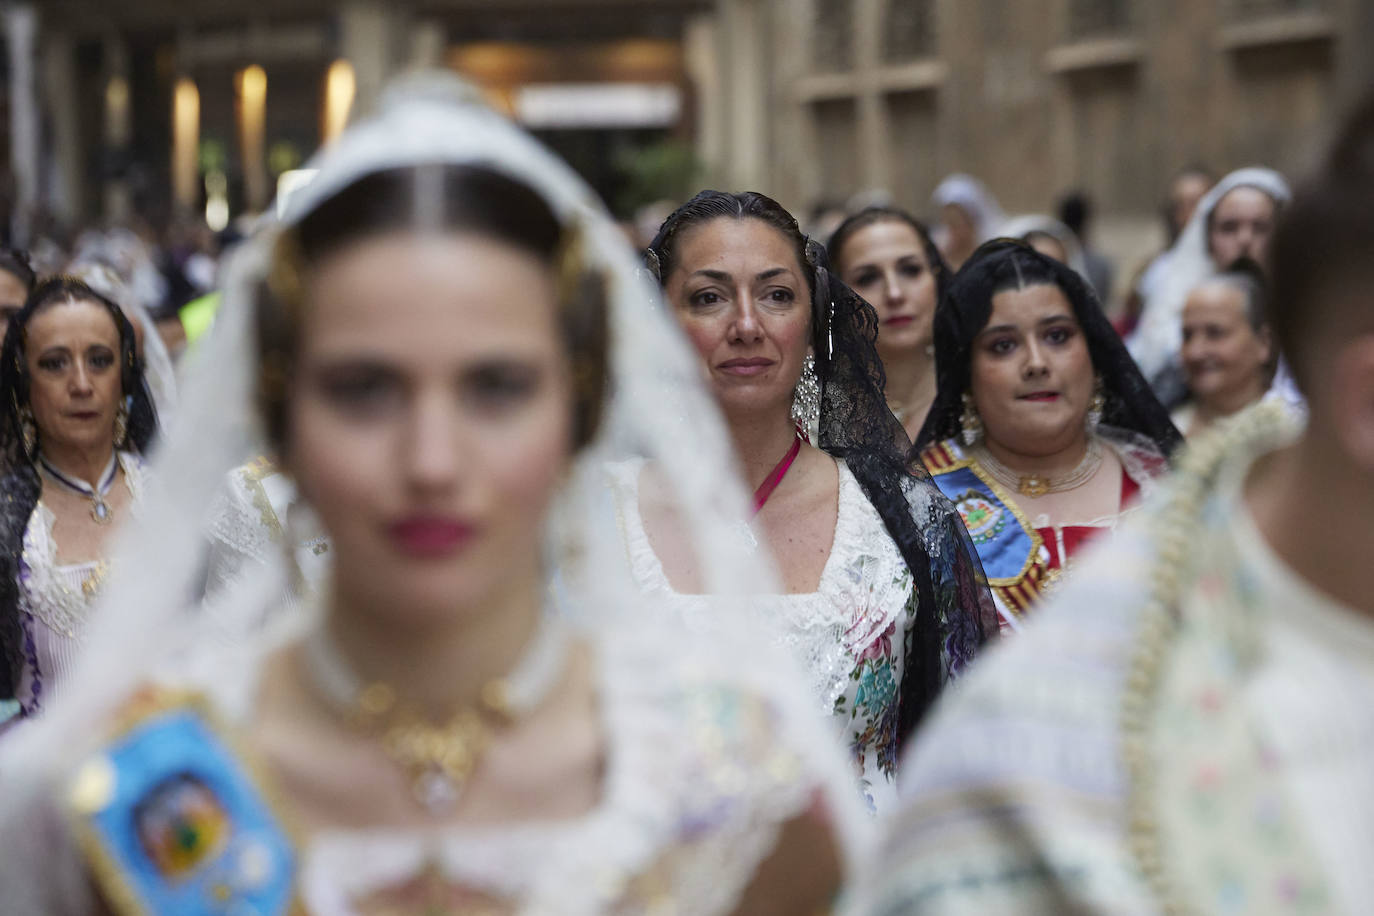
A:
[78,462]
[1313,508]
[442,664]
[762,439]
[1052,463]
[911,383]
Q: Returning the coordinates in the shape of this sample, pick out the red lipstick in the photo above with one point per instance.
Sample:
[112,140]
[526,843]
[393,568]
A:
[431,536]
[899,320]
[1041,396]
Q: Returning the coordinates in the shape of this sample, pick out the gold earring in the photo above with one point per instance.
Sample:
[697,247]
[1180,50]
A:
[1096,406]
[28,431]
[970,424]
[121,426]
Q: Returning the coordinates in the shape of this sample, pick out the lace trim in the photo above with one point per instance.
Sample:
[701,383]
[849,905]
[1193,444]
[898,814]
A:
[864,588]
[46,589]
[699,780]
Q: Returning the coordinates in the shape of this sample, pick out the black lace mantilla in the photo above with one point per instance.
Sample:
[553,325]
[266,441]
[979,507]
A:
[955,613]
[963,312]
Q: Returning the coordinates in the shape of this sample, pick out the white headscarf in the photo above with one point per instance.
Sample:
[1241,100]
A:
[1018,227]
[1159,337]
[968,194]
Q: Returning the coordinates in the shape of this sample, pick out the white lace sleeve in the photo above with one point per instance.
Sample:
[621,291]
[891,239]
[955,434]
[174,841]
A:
[243,532]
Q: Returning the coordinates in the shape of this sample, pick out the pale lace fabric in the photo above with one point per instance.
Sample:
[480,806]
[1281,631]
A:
[248,528]
[849,635]
[1264,729]
[701,774]
[55,601]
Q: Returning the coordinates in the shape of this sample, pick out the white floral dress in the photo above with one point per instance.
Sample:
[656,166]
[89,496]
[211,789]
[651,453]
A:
[850,635]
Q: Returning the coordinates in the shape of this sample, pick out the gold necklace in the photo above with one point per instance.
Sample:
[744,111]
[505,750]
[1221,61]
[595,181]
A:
[1036,485]
[438,758]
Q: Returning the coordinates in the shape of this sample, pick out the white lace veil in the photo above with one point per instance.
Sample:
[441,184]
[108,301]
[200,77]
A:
[658,408]
[1159,336]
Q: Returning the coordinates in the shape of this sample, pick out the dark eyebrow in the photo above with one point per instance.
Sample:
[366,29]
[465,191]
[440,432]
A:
[721,276]
[770,274]
[56,348]
[1053,319]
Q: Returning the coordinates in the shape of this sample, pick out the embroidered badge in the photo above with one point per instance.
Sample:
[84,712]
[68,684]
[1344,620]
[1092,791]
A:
[171,822]
[983,518]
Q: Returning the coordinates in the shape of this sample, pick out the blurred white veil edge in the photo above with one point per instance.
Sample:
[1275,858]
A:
[150,626]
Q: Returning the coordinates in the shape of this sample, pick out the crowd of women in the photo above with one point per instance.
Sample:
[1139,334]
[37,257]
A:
[473,562]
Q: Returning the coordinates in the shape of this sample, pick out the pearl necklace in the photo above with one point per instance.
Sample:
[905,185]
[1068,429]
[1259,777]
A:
[1036,485]
[439,757]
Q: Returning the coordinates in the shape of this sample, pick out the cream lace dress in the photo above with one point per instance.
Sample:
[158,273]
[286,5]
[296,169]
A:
[55,600]
[704,764]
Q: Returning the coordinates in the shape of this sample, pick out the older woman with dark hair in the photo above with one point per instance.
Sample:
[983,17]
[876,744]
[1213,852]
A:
[1228,348]
[74,425]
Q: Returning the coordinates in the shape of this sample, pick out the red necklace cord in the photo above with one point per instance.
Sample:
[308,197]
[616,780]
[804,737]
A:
[775,476]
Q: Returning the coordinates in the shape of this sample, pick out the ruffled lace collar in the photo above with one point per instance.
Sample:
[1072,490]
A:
[47,591]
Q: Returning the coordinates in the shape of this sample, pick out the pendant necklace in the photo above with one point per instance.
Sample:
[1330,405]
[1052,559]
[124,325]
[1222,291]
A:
[439,757]
[100,510]
[1036,485]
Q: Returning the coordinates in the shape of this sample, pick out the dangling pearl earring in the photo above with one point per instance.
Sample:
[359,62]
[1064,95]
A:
[806,399]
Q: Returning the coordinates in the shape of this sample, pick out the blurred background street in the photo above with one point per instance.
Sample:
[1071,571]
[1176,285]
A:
[177,118]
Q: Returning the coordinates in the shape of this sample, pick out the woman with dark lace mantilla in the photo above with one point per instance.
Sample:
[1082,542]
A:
[883,598]
[1043,431]
[74,426]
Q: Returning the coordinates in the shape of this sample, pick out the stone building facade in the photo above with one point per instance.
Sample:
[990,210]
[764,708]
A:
[1033,96]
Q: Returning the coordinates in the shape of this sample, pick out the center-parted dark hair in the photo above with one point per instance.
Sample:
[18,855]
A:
[1319,257]
[872,216]
[20,485]
[449,198]
[1007,264]
[954,610]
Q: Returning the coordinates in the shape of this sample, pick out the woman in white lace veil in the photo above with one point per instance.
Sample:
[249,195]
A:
[716,788]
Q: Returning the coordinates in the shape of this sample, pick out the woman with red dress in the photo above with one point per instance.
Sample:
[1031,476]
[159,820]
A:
[1043,431]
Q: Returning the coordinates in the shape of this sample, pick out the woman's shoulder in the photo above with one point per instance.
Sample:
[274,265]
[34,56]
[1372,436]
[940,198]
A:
[1141,460]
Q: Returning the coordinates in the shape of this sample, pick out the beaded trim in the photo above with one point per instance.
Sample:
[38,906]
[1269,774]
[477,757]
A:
[1171,528]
